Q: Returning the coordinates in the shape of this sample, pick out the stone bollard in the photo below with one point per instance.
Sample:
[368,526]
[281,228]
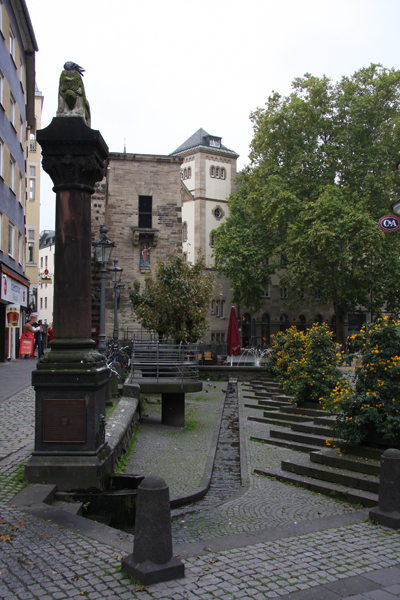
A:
[387,513]
[152,560]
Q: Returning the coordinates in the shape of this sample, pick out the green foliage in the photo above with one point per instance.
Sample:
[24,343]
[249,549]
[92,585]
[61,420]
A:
[305,364]
[122,464]
[322,173]
[374,404]
[287,347]
[176,301]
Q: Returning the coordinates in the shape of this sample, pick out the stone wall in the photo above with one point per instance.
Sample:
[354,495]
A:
[116,203]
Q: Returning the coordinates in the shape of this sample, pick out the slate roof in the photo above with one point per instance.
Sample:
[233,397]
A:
[201,139]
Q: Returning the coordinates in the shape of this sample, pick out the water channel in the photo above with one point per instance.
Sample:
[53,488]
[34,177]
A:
[225,479]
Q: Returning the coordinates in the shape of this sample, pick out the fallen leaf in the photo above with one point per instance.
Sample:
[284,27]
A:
[140,588]
[213,560]
[118,557]
[75,578]
[83,593]
[45,535]
[2,521]
[207,549]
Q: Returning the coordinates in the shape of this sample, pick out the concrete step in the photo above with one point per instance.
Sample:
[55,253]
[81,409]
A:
[367,499]
[304,466]
[304,438]
[299,447]
[74,508]
[325,420]
[309,427]
[311,412]
[270,406]
[273,421]
[272,403]
[284,397]
[335,458]
[292,418]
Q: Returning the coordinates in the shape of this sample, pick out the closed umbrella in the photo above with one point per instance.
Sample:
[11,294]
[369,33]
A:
[233,339]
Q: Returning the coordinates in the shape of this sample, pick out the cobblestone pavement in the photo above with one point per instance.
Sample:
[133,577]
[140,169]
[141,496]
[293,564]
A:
[41,560]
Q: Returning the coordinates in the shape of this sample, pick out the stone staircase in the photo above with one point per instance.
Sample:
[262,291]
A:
[351,474]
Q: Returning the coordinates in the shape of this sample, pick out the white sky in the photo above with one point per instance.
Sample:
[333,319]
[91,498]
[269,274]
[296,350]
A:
[157,70]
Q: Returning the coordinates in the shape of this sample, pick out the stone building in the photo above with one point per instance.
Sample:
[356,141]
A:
[45,294]
[140,202]
[17,99]
[33,206]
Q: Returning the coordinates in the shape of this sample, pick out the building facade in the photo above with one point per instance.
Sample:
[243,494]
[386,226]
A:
[17,96]
[139,201]
[45,292]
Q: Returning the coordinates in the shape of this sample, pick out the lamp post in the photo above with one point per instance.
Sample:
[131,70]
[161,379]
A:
[103,248]
[116,273]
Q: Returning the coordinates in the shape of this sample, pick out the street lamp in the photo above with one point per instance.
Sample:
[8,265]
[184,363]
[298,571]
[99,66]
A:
[116,273]
[395,206]
[103,248]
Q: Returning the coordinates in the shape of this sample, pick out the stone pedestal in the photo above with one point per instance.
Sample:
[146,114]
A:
[70,381]
[173,409]
[388,511]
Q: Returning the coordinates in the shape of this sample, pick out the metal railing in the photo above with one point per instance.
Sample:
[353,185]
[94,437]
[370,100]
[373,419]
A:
[157,361]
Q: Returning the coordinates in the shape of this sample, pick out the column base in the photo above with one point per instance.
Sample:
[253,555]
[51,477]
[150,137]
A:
[173,409]
[72,472]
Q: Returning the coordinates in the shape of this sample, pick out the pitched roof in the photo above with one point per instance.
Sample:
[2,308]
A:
[201,139]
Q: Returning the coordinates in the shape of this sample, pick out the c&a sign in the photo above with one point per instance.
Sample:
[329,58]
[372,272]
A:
[389,223]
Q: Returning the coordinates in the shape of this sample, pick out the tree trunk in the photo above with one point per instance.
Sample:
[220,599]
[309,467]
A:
[340,327]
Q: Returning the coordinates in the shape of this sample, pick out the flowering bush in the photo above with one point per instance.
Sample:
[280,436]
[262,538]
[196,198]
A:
[286,347]
[373,405]
[313,376]
[305,363]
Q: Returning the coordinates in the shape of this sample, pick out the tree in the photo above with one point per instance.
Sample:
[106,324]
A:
[176,301]
[321,174]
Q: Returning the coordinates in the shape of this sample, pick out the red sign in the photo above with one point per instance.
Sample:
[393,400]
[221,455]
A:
[389,223]
[26,346]
[46,271]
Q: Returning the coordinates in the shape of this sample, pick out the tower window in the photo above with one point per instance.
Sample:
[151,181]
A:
[145,211]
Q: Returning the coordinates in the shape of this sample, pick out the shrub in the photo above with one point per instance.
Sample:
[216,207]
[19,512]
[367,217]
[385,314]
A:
[373,405]
[305,363]
[287,346]
[313,376]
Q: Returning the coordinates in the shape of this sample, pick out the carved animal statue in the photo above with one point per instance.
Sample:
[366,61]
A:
[72,100]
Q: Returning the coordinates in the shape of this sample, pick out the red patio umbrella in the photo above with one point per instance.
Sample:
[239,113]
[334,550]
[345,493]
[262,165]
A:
[233,339]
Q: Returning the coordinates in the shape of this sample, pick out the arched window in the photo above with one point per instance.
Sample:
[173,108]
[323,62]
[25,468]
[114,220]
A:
[284,323]
[212,307]
[246,330]
[189,172]
[301,323]
[184,232]
[222,309]
[217,172]
[318,319]
[265,330]
[222,173]
[185,174]
[217,308]
[212,171]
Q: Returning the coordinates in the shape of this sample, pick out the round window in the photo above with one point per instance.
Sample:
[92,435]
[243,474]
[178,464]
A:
[217,213]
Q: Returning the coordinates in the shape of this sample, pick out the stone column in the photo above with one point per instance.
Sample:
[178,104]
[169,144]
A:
[70,381]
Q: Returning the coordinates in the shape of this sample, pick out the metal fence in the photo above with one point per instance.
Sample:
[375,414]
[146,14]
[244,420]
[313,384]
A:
[160,361]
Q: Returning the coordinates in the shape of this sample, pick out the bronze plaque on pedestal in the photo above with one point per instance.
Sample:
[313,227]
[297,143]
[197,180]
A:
[64,420]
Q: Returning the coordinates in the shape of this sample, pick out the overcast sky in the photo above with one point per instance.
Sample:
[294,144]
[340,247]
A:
[158,70]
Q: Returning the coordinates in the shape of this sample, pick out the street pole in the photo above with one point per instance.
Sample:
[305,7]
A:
[102,334]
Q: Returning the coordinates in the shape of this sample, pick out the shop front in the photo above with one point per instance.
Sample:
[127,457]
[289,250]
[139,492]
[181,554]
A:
[14,295]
